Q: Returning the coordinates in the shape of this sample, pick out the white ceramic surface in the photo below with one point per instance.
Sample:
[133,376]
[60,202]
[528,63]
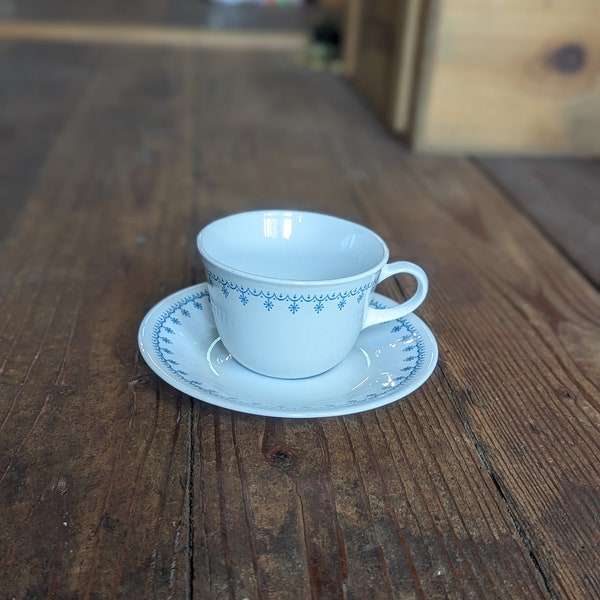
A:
[290,290]
[179,341]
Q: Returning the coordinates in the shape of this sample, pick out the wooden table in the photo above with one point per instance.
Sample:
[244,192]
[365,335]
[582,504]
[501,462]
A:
[483,483]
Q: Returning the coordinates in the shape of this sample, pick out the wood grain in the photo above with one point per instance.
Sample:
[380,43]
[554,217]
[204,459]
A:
[563,197]
[507,77]
[94,453]
[482,484]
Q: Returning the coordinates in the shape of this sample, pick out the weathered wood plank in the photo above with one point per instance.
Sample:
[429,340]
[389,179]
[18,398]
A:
[482,484]
[483,59]
[519,347]
[527,382]
[93,453]
[395,501]
[563,198]
[36,100]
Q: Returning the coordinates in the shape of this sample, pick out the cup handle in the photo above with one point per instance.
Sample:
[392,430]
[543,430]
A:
[382,315]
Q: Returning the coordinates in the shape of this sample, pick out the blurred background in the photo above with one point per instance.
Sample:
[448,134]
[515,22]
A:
[460,76]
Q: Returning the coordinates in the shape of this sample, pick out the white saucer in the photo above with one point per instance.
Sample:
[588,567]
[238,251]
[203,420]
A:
[179,341]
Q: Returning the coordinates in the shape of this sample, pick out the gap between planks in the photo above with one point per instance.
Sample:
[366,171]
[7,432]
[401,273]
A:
[151,35]
[503,492]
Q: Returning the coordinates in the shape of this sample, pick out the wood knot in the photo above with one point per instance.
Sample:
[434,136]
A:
[569,58]
[281,456]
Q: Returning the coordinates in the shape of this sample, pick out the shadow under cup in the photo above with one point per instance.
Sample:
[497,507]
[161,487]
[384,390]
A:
[290,290]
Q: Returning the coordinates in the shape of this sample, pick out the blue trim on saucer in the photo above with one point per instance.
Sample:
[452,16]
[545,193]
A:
[165,327]
[164,331]
[415,358]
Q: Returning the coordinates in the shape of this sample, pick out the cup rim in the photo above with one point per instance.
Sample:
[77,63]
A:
[284,280]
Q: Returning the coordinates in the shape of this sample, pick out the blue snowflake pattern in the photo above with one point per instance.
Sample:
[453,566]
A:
[414,348]
[270,297]
[168,357]
[185,313]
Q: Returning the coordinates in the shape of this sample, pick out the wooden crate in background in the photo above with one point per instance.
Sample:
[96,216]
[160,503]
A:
[485,76]
[381,40]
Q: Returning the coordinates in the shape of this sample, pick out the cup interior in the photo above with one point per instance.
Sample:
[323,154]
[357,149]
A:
[292,245]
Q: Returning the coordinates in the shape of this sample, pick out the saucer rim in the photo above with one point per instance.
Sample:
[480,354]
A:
[327,411]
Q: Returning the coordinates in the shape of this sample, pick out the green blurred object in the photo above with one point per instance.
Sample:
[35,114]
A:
[324,51]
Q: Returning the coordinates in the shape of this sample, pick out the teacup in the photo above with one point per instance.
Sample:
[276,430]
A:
[290,290]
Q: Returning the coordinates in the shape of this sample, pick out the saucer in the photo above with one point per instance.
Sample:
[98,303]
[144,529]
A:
[179,341]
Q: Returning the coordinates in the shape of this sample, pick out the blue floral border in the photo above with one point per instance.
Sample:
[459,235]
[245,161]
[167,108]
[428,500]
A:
[176,314]
[410,369]
[161,340]
[295,300]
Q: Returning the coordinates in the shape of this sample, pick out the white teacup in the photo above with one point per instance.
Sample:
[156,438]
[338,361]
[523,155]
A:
[290,290]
